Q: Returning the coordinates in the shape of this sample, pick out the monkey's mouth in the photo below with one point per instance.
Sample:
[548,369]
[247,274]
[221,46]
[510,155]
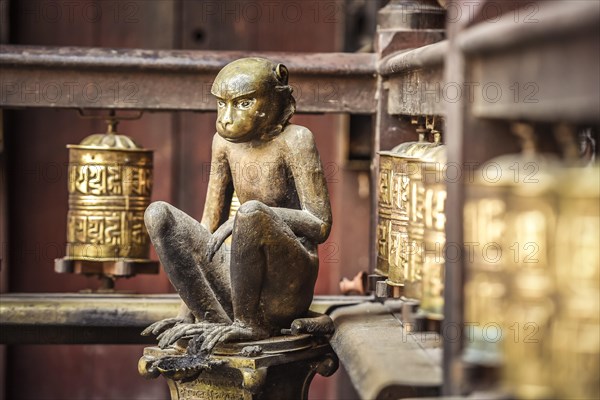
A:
[231,134]
[225,125]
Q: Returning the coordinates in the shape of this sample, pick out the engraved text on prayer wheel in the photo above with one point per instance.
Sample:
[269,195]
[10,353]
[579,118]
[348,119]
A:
[110,183]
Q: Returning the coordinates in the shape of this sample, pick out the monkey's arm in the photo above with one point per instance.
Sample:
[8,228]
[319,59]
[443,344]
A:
[220,187]
[314,220]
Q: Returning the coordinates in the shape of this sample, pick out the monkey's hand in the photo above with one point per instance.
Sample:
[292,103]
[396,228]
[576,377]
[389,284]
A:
[217,239]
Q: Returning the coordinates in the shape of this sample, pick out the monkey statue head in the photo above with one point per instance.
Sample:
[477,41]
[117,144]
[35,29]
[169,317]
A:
[254,100]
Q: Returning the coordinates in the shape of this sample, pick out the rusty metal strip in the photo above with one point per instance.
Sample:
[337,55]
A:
[166,80]
[383,360]
[50,318]
[430,56]
[419,92]
[415,81]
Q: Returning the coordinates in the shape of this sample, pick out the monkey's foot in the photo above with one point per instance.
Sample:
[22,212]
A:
[160,326]
[238,331]
[185,330]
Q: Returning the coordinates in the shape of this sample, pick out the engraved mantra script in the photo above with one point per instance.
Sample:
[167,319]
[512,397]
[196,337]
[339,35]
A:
[392,237]
[110,180]
[398,195]
[108,228]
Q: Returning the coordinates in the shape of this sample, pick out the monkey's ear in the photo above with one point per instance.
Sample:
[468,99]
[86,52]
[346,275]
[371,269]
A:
[282,73]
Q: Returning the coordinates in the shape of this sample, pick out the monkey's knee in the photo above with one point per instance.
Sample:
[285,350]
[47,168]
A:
[253,206]
[253,214]
[254,224]
[158,217]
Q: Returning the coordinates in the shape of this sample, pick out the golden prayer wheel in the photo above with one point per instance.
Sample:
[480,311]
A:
[484,225]
[391,232]
[529,305]
[434,184]
[392,200]
[110,184]
[507,210]
[235,206]
[416,222]
[532,296]
[510,219]
[392,235]
[575,346]
[233,209]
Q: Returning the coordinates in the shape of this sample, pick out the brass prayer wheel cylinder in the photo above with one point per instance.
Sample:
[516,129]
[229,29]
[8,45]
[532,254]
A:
[392,225]
[392,181]
[433,176]
[488,202]
[110,184]
[526,335]
[507,216]
[484,222]
[529,297]
[416,229]
[575,349]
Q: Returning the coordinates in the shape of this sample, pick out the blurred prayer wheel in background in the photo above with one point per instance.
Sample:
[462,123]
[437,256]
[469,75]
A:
[110,184]
[485,227]
[510,221]
[574,355]
[529,303]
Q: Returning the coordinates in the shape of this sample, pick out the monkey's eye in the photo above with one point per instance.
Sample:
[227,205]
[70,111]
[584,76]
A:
[220,103]
[245,104]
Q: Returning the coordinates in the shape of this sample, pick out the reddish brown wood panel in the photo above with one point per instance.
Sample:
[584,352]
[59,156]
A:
[38,198]
[38,157]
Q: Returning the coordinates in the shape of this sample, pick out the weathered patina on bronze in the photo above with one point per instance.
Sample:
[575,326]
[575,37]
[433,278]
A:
[263,283]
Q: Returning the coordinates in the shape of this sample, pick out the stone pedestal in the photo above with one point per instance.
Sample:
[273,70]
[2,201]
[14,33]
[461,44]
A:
[276,368]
